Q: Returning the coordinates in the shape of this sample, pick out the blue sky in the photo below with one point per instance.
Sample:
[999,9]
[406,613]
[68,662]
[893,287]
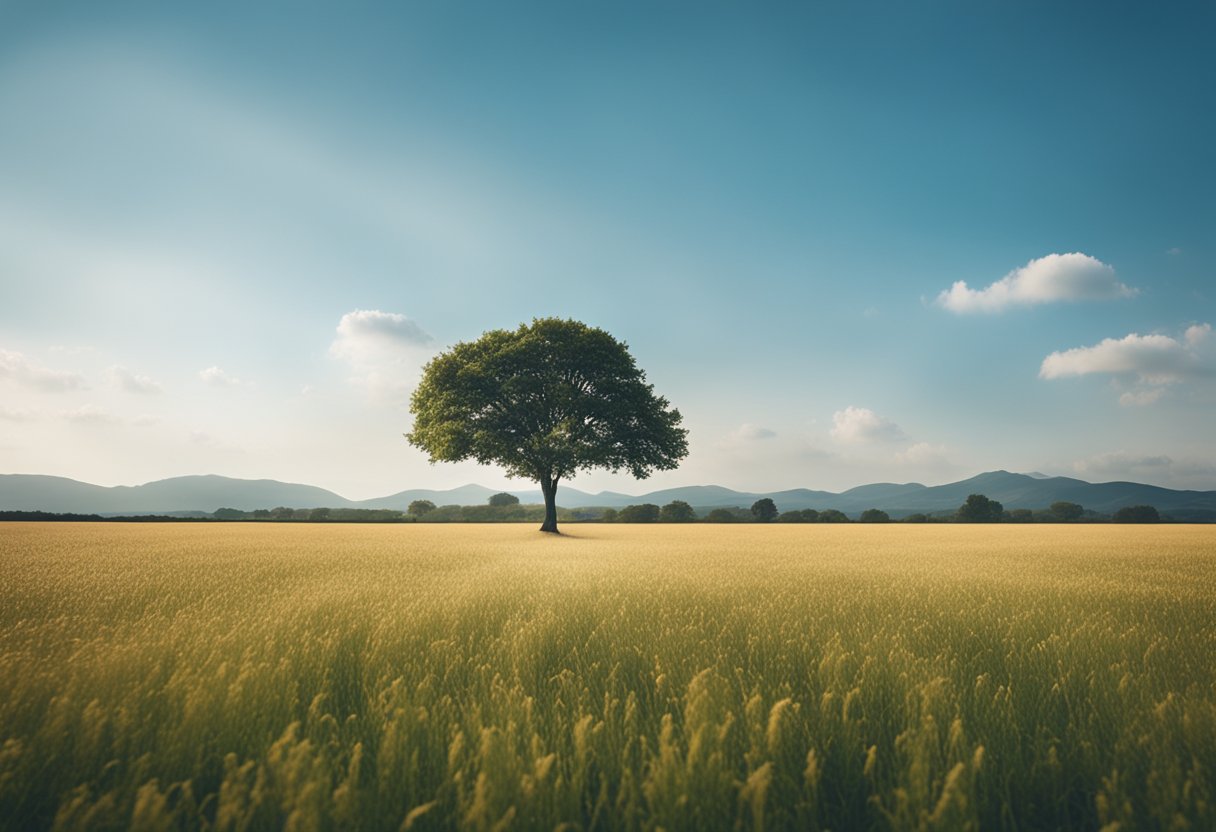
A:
[230,236]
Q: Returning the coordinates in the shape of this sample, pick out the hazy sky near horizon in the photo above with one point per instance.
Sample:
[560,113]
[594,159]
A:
[852,242]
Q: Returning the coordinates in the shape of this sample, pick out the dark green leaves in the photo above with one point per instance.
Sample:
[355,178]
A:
[545,400]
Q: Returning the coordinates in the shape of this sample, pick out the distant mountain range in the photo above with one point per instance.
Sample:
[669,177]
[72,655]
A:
[181,495]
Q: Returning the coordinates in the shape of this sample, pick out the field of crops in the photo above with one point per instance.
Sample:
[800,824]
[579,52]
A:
[618,677]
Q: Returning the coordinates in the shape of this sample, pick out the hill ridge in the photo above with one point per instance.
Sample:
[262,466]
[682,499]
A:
[208,492]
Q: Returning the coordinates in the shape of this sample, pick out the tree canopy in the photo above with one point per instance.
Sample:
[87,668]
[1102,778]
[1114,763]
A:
[504,499]
[644,513]
[1137,514]
[420,507]
[677,511]
[979,509]
[765,510]
[544,401]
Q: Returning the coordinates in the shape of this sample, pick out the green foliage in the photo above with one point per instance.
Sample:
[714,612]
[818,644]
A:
[806,515]
[831,515]
[504,499]
[644,513]
[917,517]
[874,515]
[230,514]
[420,508]
[1137,514]
[764,510]
[721,515]
[1020,515]
[1066,512]
[980,509]
[609,515]
[677,511]
[545,401]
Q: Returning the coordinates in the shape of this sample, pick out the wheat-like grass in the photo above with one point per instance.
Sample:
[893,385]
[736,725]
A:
[618,677]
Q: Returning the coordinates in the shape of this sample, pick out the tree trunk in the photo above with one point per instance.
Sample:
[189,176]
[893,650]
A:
[548,487]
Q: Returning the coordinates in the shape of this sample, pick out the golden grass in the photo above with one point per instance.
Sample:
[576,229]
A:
[253,676]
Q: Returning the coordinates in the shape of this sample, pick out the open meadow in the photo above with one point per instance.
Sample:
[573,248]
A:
[258,676]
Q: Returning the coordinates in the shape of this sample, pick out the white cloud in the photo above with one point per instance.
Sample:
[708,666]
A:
[369,334]
[216,377]
[1152,359]
[860,425]
[923,453]
[10,415]
[89,414]
[1197,334]
[1056,277]
[124,379]
[1141,398]
[385,350]
[19,368]
[749,432]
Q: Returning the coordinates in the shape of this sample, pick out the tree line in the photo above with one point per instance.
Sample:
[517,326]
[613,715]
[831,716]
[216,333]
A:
[506,508]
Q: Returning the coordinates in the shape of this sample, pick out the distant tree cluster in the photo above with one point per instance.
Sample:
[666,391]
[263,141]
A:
[977,508]
[506,508]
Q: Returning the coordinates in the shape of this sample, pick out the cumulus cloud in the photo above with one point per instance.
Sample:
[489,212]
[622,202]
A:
[19,368]
[385,350]
[1141,398]
[862,426]
[370,333]
[89,414]
[923,453]
[1150,359]
[1056,277]
[749,431]
[216,377]
[124,379]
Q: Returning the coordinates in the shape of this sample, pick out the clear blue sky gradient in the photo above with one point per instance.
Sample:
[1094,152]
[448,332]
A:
[764,202]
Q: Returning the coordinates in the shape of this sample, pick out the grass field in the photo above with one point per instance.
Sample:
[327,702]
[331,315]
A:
[684,677]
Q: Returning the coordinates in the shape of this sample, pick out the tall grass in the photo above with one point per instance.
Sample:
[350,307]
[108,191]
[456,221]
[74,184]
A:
[626,677]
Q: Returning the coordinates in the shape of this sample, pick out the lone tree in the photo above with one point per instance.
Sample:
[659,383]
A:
[544,401]
[504,499]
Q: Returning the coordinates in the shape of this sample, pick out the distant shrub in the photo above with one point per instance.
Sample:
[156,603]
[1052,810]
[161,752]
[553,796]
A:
[831,515]
[764,510]
[645,513]
[677,511]
[1137,514]
[806,515]
[874,515]
[720,515]
[979,509]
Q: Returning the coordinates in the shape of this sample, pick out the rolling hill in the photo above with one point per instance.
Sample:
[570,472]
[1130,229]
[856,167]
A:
[32,492]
